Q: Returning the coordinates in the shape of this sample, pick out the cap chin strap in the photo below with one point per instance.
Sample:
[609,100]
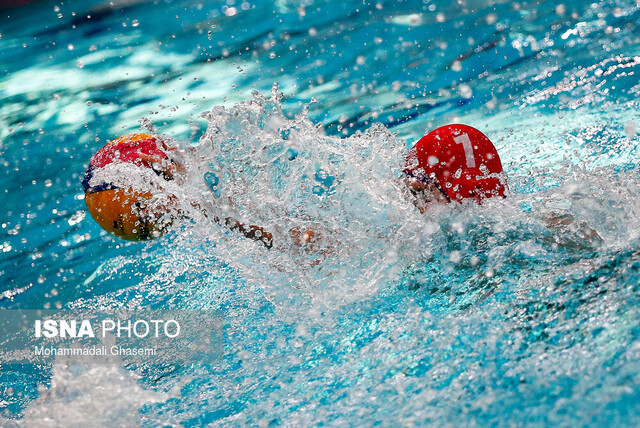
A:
[426,180]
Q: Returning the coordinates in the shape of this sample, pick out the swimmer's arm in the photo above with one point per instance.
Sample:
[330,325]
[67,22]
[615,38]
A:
[307,239]
[174,168]
[256,233]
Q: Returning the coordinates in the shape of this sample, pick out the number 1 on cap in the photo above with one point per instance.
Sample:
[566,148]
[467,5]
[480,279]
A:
[468,149]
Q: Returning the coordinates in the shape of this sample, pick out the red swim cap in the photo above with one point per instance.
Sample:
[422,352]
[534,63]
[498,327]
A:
[460,160]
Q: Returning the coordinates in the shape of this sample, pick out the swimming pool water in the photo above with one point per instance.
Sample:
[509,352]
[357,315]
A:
[518,311]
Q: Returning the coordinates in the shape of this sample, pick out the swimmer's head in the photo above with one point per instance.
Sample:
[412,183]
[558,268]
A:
[454,163]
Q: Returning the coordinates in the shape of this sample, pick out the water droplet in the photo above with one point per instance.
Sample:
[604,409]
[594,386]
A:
[292,154]
[465,91]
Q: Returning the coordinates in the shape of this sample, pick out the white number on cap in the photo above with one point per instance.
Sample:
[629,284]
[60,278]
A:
[468,149]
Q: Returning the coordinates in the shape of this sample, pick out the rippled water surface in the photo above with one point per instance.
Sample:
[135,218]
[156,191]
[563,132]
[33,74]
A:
[519,311]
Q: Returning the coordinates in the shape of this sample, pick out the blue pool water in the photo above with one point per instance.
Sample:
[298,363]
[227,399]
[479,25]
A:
[519,311]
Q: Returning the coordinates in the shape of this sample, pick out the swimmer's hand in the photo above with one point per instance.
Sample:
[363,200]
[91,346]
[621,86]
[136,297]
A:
[311,242]
[307,238]
[571,232]
[170,167]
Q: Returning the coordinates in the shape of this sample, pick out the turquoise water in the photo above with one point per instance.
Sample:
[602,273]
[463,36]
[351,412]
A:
[519,311]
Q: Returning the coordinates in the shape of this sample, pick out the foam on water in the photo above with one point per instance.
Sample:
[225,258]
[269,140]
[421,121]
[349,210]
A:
[288,177]
[89,395]
[566,219]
